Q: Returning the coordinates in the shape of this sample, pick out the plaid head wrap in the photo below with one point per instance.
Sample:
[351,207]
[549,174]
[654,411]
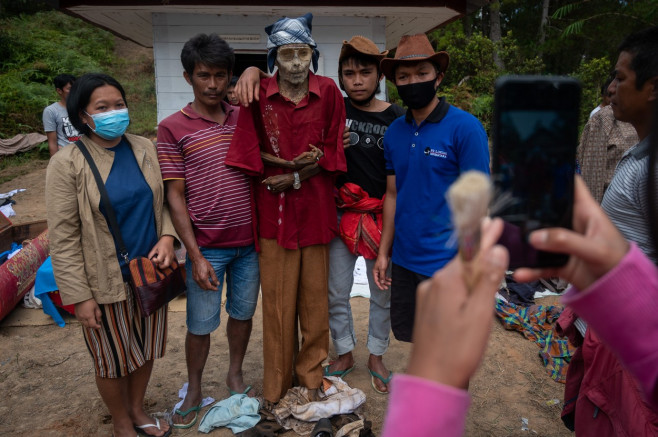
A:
[290,31]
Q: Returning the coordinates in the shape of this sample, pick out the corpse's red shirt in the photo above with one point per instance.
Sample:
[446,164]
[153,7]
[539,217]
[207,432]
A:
[307,216]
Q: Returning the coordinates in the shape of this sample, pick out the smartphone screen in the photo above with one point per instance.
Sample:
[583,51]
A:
[535,137]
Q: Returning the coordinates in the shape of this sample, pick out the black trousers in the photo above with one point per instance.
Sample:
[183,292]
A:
[403,301]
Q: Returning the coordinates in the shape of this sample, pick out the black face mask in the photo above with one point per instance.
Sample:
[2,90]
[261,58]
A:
[417,95]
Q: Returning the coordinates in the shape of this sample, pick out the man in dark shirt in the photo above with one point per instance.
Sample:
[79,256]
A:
[367,119]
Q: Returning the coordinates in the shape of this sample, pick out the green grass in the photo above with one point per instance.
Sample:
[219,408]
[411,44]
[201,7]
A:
[138,80]
[36,48]
[33,50]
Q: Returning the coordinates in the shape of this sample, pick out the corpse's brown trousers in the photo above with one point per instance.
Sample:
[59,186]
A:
[293,283]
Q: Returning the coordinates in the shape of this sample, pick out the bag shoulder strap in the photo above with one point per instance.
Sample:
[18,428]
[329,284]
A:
[105,198]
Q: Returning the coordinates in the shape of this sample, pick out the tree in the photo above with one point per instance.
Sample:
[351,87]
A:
[544,21]
[495,32]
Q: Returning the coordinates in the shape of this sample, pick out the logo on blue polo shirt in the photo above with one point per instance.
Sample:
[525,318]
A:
[435,153]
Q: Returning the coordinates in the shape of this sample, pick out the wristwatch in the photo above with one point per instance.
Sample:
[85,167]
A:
[298,183]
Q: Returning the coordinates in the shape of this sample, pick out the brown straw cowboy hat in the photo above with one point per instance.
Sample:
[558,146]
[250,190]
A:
[413,49]
[360,45]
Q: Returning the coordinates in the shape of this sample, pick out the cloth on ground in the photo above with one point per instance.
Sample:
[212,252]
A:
[536,323]
[183,392]
[301,407]
[556,285]
[238,413]
[7,210]
[520,293]
[351,429]
[7,254]
[30,301]
[20,143]
[11,193]
[43,284]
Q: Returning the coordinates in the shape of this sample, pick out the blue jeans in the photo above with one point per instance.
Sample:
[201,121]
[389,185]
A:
[240,264]
[341,324]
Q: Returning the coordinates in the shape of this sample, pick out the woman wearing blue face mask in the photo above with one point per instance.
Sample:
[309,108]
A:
[86,262]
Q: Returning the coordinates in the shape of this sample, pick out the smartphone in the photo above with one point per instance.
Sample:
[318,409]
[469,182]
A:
[535,135]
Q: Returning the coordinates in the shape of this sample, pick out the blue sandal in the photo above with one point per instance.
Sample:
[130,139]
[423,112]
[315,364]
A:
[190,424]
[246,390]
[340,373]
[374,375]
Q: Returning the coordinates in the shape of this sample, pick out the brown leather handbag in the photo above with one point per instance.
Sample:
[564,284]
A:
[155,287]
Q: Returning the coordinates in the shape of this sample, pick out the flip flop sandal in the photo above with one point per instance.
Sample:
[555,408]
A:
[246,390]
[340,373]
[323,429]
[190,424]
[141,428]
[374,375]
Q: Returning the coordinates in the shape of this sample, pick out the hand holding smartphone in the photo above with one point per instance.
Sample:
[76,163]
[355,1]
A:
[535,135]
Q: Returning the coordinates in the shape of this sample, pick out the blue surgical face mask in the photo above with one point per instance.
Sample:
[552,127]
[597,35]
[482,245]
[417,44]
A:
[111,124]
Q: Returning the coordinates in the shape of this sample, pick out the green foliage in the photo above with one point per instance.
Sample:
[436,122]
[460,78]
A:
[565,10]
[586,13]
[516,62]
[36,48]
[137,77]
[592,74]
[470,58]
[470,78]
[33,50]
[9,8]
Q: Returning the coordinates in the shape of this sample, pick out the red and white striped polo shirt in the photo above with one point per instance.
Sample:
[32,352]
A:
[193,148]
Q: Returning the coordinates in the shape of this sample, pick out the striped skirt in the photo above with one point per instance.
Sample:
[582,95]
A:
[126,340]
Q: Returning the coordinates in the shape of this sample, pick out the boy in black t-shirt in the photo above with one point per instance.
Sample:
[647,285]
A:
[367,119]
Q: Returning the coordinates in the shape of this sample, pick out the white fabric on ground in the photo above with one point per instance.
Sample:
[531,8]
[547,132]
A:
[301,407]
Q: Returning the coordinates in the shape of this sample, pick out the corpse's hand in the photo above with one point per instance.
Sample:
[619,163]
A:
[307,158]
[88,313]
[452,324]
[595,244]
[163,252]
[279,183]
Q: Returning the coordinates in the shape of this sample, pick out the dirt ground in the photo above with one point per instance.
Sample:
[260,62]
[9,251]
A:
[48,383]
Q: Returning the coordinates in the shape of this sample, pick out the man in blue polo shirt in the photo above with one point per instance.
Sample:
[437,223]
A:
[425,152]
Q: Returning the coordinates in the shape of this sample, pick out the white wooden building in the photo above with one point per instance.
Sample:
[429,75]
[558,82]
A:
[166,25]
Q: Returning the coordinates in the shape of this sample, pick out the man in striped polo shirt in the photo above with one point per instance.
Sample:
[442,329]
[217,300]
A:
[633,97]
[600,384]
[211,209]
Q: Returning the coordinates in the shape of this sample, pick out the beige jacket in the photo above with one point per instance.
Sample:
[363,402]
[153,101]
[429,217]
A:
[82,249]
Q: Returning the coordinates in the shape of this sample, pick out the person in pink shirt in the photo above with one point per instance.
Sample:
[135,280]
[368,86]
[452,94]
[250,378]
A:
[431,398]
